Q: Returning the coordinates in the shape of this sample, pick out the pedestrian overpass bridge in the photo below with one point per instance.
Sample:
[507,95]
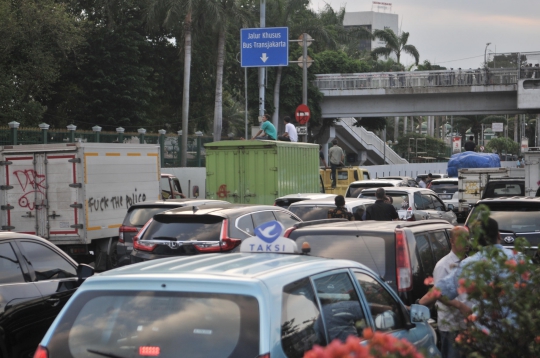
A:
[452,92]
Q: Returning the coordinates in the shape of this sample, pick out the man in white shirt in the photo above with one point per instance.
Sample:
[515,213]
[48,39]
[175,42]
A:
[290,134]
[422,183]
[450,320]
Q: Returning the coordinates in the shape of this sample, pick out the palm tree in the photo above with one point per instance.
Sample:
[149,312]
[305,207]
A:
[170,13]
[394,44]
[222,12]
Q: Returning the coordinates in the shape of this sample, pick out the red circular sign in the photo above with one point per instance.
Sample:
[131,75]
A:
[302,114]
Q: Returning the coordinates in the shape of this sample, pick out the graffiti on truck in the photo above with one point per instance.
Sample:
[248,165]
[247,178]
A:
[31,183]
[116,201]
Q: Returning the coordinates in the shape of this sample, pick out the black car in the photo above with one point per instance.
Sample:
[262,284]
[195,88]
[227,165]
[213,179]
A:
[516,216]
[139,214]
[36,281]
[206,229]
[404,254]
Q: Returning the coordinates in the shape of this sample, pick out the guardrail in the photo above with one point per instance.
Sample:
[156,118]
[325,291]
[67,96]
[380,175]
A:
[446,78]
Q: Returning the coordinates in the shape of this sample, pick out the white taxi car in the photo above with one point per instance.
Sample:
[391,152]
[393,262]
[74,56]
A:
[266,301]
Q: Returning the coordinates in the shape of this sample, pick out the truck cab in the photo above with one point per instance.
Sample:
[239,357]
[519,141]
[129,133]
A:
[345,176]
[170,187]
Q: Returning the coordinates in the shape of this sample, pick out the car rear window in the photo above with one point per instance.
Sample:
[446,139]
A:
[368,250]
[184,228]
[308,213]
[444,187]
[140,216]
[516,217]
[399,200]
[160,324]
[355,190]
[497,190]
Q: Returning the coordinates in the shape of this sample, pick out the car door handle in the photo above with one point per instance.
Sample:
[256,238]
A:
[53,302]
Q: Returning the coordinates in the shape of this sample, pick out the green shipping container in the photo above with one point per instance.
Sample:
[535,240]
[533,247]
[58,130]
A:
[258,172]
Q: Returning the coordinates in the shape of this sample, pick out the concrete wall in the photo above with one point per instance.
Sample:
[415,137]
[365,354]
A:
[377,20]
[412,169]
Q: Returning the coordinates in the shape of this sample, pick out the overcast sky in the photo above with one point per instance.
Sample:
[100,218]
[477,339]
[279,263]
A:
[450,32]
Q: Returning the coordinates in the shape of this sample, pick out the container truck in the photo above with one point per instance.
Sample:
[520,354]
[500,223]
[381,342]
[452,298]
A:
[259,171]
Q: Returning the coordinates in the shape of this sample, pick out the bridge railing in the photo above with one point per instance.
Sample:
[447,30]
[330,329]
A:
[446,78]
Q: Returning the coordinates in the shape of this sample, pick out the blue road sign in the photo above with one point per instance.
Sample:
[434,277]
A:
[265,47]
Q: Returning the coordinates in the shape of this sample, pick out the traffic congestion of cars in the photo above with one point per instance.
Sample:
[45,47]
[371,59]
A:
[272,281]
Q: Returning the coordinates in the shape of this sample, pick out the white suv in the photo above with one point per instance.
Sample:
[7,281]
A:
[416,204]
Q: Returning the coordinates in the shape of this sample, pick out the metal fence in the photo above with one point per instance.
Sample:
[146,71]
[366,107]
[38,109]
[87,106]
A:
[196,154]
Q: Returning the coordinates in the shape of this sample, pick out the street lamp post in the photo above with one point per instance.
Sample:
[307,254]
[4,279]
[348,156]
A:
[485,52]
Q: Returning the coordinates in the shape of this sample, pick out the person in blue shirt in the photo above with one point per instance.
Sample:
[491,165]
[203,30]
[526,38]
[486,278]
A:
[449,285]
[267,128]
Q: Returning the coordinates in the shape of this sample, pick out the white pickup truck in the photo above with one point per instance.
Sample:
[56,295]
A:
[76,195]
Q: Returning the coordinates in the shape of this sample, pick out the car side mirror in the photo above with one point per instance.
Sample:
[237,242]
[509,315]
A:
[419,313]
[84,271]
[450,207]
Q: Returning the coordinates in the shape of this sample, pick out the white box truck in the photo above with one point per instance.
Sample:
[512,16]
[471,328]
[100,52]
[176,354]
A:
[472,182]
[76,195]
[532,171]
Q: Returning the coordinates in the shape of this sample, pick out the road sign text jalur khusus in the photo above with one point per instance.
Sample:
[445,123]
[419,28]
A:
[264,47]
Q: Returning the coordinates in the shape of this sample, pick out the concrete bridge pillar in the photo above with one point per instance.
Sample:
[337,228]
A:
[396,128]
[404,125]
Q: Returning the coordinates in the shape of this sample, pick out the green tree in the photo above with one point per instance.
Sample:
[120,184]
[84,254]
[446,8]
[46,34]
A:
[502,144]
[394,44]
[427,66]
[332,61]
[36,40]
[433,147]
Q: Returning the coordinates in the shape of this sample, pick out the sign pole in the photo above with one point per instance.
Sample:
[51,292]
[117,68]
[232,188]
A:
[304,68]
[262,69]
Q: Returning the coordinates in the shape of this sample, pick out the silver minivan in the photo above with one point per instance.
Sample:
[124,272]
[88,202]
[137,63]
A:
[416,204]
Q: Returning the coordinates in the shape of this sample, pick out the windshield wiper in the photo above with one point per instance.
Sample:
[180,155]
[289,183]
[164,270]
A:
[104,354]
[507,231]
[166,238]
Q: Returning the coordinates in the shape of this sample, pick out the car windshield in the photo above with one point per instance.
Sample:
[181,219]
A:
[501,189]
[308,213]
[399,200]
[517,217]
[449,187]
[184,228]
[161,324]
[356,189]
[140,216]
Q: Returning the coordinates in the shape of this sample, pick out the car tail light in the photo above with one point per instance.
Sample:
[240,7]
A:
[266,355]
[42,352]
[124,229]
[137,245]
[225,244]
[409,215]
[289,231]
[403,262]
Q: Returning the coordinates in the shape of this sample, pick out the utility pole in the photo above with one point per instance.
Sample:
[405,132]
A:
[262,71]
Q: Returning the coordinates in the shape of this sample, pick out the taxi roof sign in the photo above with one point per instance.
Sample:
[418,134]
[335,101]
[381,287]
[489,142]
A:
[268,239]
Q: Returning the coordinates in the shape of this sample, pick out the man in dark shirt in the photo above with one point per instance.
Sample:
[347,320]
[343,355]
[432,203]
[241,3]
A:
[470,145]
[381,211]
[340,212]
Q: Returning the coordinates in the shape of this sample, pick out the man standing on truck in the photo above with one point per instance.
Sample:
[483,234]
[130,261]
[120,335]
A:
[336,157]
[470,145]
[268,128]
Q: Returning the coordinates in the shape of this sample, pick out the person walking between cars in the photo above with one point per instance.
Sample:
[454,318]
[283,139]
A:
[422,183]
[268,128]
[450,320]
[290,134]
[336,157]
[381,211]
[470,145]
[340,212]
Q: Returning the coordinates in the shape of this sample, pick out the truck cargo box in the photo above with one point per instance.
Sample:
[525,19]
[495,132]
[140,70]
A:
[258,172]
[75,194]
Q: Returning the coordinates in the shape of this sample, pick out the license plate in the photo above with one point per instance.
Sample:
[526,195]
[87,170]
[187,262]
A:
[445,196]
